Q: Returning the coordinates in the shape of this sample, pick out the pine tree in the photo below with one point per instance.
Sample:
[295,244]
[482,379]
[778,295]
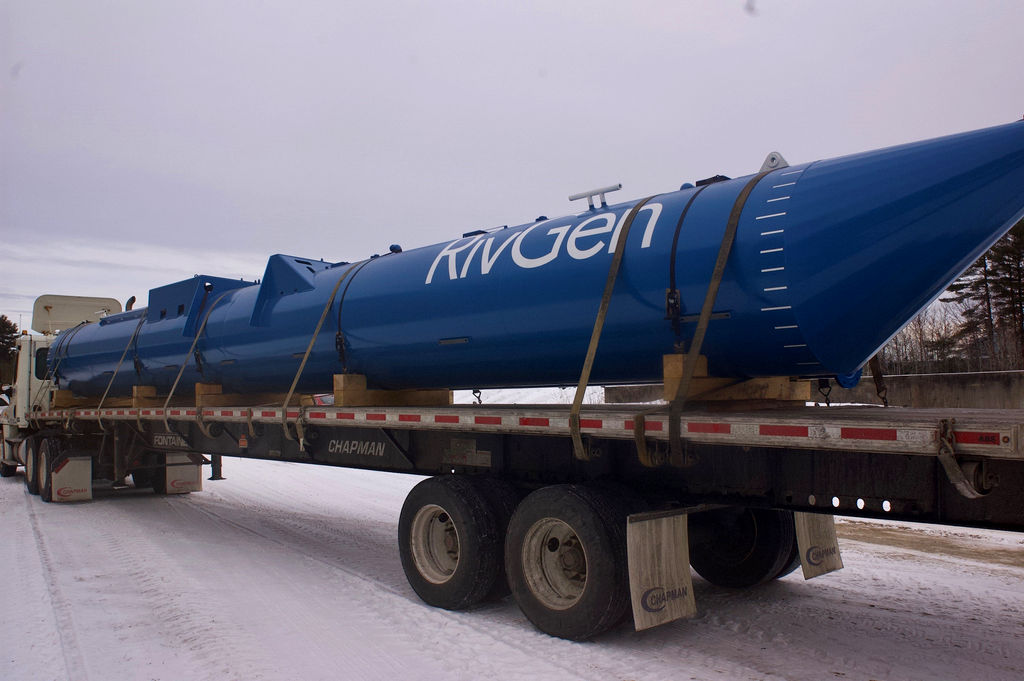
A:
[991,294]
[8,340]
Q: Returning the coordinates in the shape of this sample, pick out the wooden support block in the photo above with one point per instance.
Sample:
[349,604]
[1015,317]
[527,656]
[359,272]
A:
[64,399]
[768,388]
[212,395]
[203,389]
[145,396]
[349,383]
[704,388]
[350,391]
[672,370]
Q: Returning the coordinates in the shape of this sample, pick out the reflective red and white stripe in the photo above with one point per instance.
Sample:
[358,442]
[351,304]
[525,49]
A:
[746,429]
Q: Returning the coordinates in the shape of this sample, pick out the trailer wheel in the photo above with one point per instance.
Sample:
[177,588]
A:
[566,560]
[740,547]
[145,477]
[31,446]
[8,470]
[450,541]
[792,562]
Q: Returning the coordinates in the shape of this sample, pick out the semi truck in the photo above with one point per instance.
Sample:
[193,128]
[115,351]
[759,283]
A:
[748,298]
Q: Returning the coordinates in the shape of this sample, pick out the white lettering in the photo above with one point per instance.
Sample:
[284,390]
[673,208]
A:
[574,238]
[469,259]
[529,263]
[487,262]
[655,213]
[581,231]
[449,252]
[486,259]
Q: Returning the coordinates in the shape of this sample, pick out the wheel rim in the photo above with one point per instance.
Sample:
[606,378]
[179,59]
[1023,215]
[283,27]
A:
[554,564]
[435,544]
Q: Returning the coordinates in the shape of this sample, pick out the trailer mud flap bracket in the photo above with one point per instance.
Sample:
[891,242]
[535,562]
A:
[658,555]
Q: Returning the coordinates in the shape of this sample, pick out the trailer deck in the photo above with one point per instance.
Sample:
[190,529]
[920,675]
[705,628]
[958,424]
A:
[989,433]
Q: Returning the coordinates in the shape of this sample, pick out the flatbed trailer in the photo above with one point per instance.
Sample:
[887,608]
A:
[578,539]
[855,460]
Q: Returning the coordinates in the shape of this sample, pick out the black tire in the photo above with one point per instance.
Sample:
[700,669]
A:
[48,452]
[503,498]
[793,562]
[142,478]
[32,465]
[565,554]
[158,475]
[8,470]
[741,547]
[450,541]
[145,477]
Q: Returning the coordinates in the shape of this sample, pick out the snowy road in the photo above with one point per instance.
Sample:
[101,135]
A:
[289,572]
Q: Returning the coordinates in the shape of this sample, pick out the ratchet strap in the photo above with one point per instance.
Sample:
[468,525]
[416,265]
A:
[339,337]
[609,286]
[60,351]
[131,340]
[673,301]
[879,378]
[676,453]
[309,350]
[184,363]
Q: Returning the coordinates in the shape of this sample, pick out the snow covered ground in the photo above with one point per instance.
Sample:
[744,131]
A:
[286,572]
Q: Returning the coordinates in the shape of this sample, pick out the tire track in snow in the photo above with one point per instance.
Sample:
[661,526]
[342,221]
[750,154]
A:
[74,661]
[452,636]
[173,599]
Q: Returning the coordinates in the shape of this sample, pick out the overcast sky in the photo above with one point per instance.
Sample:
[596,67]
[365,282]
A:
[144,142]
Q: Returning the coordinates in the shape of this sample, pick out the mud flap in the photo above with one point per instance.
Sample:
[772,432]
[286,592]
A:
[818,544]
[183,475]
[658,553]
[72,479]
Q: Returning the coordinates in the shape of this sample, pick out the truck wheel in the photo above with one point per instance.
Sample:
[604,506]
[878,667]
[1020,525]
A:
[46,456]
[8,469]
[740,547]
[450,541]
[32,465]
[158,476]
[566,560]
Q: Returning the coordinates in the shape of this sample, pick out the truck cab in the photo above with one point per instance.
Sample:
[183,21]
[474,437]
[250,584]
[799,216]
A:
[32,390]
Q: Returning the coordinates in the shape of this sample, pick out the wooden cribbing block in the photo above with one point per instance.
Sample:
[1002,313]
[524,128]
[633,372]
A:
[350,391]
[769,388]
[65,399]
[212,395]
[145,396]
[706,388]
[672,369]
